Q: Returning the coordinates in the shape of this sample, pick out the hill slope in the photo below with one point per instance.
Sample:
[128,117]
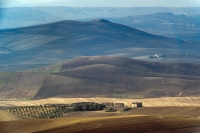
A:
[103,77]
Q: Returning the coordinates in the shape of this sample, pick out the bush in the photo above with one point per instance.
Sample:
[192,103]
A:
[126,109]
[110,110]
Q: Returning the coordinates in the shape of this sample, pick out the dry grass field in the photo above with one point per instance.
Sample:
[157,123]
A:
[160,115]
[7,116]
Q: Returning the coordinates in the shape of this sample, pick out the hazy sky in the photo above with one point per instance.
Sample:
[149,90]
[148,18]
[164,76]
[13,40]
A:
[121,3]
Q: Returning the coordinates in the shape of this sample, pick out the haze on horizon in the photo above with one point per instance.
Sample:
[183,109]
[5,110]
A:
[103,3]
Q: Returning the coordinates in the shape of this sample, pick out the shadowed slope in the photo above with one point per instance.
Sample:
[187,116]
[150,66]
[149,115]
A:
[42,45]
[119,77]
[103,77]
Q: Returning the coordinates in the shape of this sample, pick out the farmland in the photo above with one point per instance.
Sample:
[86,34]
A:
[102,76]
[87,122]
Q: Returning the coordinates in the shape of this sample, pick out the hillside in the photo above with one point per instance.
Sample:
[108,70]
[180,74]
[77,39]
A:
[47,44]
[103,76]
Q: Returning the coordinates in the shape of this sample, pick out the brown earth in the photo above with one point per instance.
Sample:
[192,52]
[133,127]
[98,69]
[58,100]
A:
[103,77]
[110,124]
[7,116]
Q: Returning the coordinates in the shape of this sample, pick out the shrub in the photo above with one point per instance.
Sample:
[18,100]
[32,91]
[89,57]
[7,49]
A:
[126,109]
[110,110]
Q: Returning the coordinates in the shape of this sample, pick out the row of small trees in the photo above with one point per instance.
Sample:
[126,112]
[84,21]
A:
[53,112]
[39,111]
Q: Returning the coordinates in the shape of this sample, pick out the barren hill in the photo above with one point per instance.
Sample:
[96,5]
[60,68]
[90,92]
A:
[42,45]
[101,76]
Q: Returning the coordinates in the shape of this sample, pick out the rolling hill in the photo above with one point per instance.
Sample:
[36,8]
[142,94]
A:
[42,45]
[103,76]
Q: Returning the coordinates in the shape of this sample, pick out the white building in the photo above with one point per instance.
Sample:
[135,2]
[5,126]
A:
[136,104]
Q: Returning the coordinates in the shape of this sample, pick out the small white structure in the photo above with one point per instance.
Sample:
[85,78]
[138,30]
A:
[156,55]
[136,104]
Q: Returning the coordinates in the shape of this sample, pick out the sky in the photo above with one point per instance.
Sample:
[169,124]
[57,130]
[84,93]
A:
[111,3]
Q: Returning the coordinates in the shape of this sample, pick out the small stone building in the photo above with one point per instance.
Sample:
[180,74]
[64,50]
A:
[136,104]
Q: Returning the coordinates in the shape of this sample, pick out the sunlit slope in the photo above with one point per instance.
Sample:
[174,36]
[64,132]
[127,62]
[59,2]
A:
[20,84]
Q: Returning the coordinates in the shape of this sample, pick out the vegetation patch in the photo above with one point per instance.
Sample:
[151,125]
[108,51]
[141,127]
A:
[54,111]
[39,111]
[110,110]
[49,69]
[25,98]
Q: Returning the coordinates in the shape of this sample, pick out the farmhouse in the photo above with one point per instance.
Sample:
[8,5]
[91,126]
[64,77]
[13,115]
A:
[136,104]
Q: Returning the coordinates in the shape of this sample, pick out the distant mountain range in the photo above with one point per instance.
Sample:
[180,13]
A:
[41,45]
[58,13]
[166,24]
[178,23]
